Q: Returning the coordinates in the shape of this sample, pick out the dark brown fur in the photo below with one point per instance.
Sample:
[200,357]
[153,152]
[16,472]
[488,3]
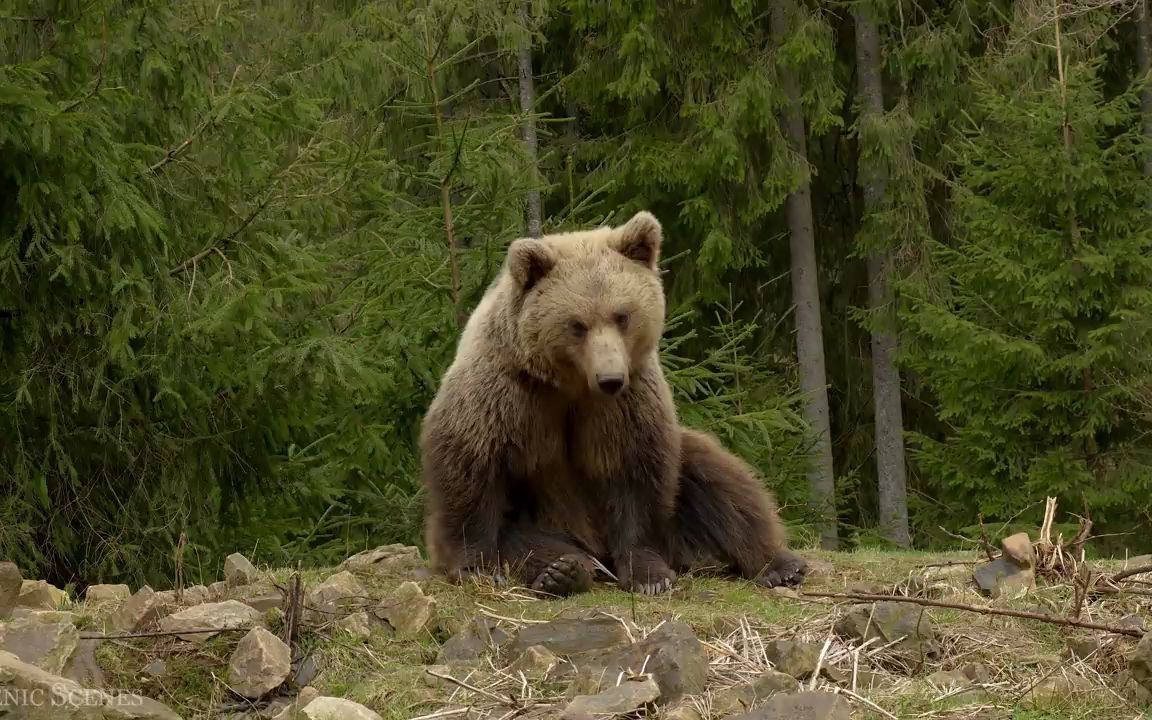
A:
[529,464]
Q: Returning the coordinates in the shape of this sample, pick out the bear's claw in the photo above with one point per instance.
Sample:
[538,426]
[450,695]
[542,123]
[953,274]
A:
[786,569]
[566,575]
[649,575]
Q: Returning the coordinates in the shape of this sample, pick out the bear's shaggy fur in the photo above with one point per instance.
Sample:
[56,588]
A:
[554,440]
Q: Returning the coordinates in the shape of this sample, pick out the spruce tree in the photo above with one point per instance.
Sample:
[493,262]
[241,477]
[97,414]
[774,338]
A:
[1031,344]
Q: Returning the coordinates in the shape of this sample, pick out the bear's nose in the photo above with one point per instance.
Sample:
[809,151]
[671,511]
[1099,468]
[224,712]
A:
[610,384]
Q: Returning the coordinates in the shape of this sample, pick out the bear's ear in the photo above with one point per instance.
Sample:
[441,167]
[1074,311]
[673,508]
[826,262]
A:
[529,260]
[640,239]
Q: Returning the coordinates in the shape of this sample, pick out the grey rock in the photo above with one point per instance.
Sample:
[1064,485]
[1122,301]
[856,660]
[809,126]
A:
[46,645]
[293,710]
[83,668]
[261,597]
[472,642]
[1018,549]
[138,612]
[1133,621]
[156,669]
[867,680]
[304,671]
[338,591]
[45,616]
[626,697]
[671,655]
[977,673]
[568,637]
[747,696]
[10,583]
[1133,690]
[1004,578]
[226,615]
[260,664]
[794,657]
[40,595]
[107,594]
[948,679]
[70,701]
[535,662]
[683,710]
[385,559]
[1083,647]
[136,707]
[195,595]
[408,610]
[1058,690]
[239,570]
[1140,662]
[907,626]
[218,591]
[358,625]
[802,706]
[330,708]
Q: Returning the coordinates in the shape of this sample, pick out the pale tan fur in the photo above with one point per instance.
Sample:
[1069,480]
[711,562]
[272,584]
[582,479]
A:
[523,422]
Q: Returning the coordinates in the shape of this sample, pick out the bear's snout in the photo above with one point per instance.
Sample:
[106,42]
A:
[606,361]
[610,384]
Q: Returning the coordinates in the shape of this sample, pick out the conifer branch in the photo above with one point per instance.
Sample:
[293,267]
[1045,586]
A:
[225,240]
[99,70]
[175,152]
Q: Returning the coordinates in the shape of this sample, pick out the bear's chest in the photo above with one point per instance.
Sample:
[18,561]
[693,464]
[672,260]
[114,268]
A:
[560,443]
[596,440]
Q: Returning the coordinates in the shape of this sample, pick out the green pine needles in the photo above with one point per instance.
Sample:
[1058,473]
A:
[1035,347]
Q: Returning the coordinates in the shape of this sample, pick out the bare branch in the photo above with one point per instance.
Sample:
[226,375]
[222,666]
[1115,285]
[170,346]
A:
[982,610]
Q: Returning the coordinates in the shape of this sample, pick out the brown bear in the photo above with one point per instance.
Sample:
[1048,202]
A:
[553,438]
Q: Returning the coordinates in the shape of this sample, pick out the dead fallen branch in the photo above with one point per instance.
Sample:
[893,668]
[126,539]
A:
[159,633]
[1131,572]
[982,610]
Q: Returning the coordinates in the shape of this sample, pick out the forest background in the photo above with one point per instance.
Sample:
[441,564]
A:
[907,256]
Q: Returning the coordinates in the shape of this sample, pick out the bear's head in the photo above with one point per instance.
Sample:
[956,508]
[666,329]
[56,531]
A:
[588,307]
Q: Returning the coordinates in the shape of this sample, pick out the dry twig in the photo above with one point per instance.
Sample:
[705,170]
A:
[1130,572]
[983,610]
[159,633]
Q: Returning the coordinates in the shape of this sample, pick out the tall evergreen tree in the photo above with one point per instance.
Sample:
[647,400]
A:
[806,291]
[1030,345]
[528,108]
[889,420]
[1144,67]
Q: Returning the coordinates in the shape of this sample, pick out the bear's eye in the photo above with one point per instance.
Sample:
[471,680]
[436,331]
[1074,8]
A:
[577,328]
[621,319]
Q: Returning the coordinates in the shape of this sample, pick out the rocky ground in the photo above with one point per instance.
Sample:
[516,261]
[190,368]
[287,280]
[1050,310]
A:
[379,637]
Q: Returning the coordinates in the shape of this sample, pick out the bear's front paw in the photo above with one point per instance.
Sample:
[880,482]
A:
[566,575]
[644,572]
[786,569]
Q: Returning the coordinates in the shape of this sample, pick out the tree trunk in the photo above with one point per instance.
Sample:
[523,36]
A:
[806,298]
[1144,58]
[527,107]
[889,419]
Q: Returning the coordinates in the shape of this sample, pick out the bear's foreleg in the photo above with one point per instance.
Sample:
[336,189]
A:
[466,504]
[723,513]
[546,561]
[637,522]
